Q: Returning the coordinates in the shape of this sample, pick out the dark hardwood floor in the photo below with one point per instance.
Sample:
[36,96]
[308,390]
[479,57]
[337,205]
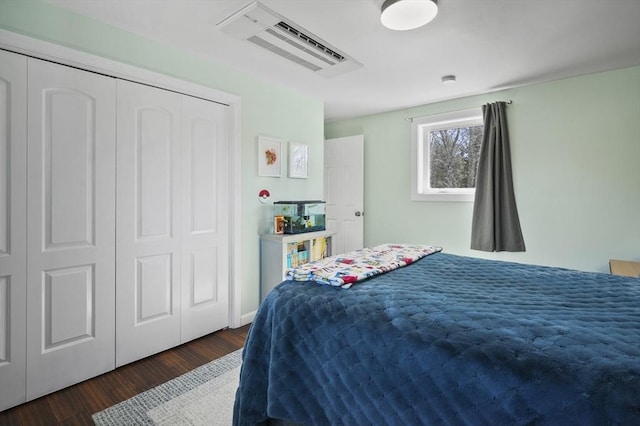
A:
[75,405]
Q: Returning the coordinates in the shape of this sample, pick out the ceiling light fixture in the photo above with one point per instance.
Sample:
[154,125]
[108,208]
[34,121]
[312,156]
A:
[448,79]
[404,15]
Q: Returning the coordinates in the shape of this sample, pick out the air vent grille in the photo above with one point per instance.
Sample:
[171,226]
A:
[278,51]
[316,44]
[302,47]
[263,27]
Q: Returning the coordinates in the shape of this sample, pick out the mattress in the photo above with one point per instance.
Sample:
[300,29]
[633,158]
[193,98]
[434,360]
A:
[447,340]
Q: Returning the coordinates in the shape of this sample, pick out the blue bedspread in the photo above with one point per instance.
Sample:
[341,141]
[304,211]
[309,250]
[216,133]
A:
[447,340]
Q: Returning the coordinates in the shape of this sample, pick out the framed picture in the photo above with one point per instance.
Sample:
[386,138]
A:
[269,157]
[298,160]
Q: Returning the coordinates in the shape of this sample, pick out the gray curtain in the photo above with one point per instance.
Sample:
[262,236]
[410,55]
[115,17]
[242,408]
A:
[495,225]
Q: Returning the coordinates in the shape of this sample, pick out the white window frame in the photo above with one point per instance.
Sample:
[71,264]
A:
[420,190]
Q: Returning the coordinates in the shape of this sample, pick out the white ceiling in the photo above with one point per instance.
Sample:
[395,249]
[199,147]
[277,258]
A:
[488,44]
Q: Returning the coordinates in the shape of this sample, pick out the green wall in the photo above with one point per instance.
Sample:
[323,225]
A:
[576,163]
[266,110]
[575,148]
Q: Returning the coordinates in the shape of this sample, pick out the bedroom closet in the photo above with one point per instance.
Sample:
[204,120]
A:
[113,223]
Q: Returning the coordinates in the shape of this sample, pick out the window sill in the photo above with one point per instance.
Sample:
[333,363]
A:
[444,196]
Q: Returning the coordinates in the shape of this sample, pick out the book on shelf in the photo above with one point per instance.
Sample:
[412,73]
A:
[319,248]
[297,254]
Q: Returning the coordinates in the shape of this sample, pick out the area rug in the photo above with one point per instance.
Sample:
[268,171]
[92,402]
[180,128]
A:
[203,396]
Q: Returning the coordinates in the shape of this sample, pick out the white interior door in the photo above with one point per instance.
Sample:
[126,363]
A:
[205,218]
[148,223]
[13,228]
[71,223]
[344,192]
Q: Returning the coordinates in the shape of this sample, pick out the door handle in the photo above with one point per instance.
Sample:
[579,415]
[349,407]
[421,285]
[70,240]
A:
[358,214]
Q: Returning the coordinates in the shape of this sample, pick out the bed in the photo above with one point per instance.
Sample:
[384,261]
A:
[446,339]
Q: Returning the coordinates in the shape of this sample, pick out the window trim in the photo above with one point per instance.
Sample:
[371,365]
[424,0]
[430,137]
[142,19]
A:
[471,116]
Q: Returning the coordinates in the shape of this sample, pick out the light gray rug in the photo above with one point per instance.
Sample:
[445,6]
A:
[203,396]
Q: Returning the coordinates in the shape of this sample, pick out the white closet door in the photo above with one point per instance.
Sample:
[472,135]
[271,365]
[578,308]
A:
[13,228]
[71,223]
[205,218]
[148,227]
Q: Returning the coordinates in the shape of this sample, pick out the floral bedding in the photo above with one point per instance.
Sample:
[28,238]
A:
[346,269]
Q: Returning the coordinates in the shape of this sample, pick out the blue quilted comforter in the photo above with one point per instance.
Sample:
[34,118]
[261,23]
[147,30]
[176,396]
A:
[447,340]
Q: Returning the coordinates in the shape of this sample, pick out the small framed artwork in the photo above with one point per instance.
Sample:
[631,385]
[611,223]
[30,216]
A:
[298,160]
[269,157]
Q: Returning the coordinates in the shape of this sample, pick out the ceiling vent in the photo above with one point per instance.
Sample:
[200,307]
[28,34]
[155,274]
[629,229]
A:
[269,30]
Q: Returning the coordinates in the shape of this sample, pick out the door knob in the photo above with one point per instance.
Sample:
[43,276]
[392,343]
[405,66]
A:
[358,214]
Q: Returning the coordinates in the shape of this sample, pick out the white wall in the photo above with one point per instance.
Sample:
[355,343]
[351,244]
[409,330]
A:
[576,160]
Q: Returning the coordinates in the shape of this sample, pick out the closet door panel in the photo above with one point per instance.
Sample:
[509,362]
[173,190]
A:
[205,218]
[13,228]
[153,144]
[68,294]
[71,223]
[67,140]
[148,240]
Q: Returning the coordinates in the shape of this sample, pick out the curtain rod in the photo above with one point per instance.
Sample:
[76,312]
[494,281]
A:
[509,102]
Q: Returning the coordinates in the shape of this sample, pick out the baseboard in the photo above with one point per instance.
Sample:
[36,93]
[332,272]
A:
[247,318]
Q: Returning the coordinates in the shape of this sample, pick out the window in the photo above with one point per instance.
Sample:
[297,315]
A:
[446,150]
